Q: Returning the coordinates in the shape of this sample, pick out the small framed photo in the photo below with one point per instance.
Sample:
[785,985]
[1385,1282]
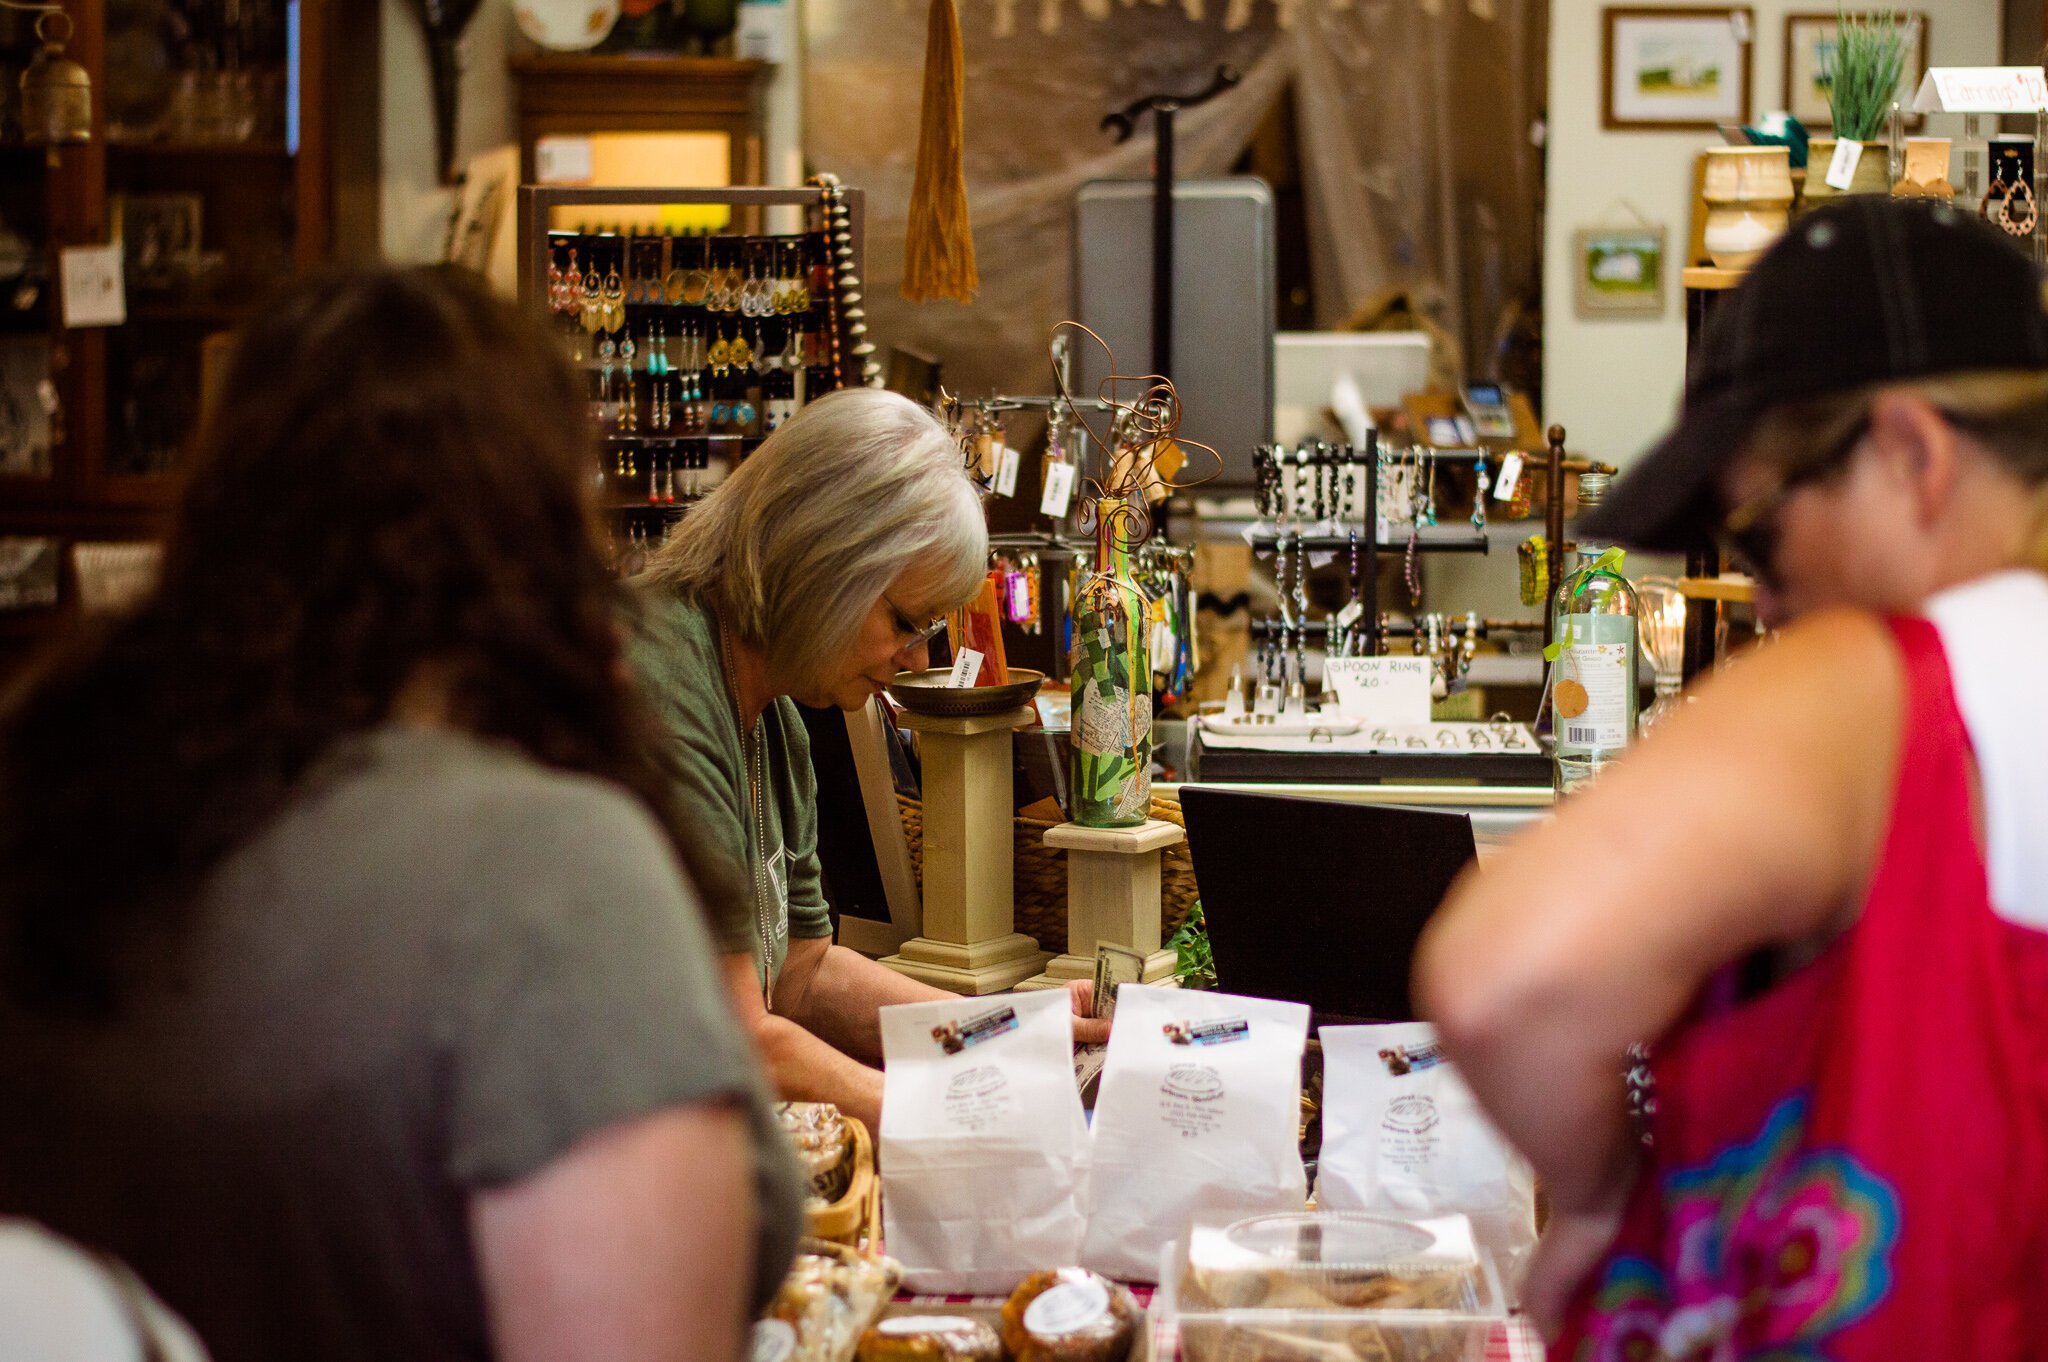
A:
[1664,69]
[28,572]
[1810,68]
[160,239]
[1620,271]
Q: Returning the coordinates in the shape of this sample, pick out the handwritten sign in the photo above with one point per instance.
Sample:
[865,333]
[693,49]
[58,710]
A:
[1982,89]
[1381,690]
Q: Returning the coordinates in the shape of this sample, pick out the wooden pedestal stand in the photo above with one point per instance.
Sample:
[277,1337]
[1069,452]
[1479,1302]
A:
[970,943]
[1112,896]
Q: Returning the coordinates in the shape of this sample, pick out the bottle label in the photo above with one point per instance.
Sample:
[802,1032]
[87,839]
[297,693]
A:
[1595,680]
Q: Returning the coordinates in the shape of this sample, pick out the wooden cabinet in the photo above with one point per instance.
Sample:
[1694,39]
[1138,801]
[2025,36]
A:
[560,95]
[234,143]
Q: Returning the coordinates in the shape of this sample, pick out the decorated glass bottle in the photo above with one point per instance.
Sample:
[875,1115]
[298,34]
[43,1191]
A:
[1112,682]
[1594,653]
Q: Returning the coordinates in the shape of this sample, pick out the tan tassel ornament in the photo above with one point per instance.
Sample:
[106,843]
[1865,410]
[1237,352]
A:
[938,250]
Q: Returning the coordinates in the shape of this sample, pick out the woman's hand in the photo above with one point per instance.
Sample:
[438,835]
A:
[1573,1244]
[1088,1028]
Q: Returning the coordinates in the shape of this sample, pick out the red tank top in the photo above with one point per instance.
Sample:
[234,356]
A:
[1854,1166]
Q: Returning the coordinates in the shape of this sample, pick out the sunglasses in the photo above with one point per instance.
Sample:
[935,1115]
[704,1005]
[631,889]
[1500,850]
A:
[1750,534]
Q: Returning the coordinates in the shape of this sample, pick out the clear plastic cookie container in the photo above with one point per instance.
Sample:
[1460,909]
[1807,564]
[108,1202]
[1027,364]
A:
[1329,1286]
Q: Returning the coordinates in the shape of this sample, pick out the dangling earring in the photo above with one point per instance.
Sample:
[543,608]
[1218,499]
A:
[1997,190]
[2023,225]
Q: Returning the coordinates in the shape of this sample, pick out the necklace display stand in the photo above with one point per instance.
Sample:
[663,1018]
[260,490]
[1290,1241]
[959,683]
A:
[1112,897]
[970,943]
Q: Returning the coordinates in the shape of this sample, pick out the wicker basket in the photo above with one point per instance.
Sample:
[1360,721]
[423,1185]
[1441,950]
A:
[854,1220]
[1041,876]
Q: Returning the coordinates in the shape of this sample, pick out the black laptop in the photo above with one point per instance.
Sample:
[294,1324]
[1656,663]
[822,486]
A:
[1320,901]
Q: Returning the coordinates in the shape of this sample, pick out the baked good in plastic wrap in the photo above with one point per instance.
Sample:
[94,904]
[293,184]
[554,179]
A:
[1334,1287]
[930,1338]
[824,1305]
[1069,1315]
[823,1144]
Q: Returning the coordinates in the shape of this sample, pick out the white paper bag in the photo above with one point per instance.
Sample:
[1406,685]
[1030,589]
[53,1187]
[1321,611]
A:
[984,1147]
[1199,1114]
[1402,1133]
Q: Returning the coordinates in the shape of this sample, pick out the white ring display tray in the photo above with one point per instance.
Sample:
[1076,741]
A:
[1335,725]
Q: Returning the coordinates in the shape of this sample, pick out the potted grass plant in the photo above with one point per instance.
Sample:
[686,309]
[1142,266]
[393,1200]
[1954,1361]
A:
[1863,80]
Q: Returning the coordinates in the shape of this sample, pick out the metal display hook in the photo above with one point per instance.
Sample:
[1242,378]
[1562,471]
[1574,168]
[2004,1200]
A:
[1124,123]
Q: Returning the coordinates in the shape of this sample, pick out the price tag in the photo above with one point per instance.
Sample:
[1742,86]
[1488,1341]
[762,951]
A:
[1381,690]
[563,160]
[1350,614]
[1007,461]
[1017,597]
[1510,477]
[1738,25]
[1842,169]
[1059,490]
[93,290]
[1163,644]
[966,666]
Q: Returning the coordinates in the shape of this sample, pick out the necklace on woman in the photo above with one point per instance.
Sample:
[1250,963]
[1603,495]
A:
[751,758]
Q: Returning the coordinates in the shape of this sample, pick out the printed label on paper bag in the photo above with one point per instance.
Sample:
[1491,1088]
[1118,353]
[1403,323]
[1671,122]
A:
[1411,1133]
[1188,1100]
[966,667]
[954,1037]
[1842,169]
[1383,690]
[1510,478]
[1207,1033]
[1059,490]
[977,1099]
[1007,463]
[1067,1309]
[1402,1060]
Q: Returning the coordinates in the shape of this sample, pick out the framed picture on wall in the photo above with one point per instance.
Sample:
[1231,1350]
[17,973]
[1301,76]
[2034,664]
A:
[1810,67]
[1619,271]
[1671,69]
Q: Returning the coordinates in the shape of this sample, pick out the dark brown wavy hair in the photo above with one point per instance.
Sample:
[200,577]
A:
[395,480]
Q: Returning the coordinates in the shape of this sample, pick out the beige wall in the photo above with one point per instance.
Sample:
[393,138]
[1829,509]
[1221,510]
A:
[1615,384]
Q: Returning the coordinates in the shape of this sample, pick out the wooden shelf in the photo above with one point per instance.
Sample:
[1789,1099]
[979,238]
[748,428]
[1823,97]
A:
[137,147]
[1711,277]
[1727,587]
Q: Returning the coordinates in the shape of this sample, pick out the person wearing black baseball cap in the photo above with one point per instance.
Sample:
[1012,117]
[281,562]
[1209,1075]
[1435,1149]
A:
[1866,418]
[1820,889]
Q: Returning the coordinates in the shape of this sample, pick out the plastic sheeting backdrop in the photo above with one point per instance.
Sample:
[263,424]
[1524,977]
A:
[1414,119]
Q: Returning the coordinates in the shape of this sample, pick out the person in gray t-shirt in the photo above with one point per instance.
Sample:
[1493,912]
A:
[351,990]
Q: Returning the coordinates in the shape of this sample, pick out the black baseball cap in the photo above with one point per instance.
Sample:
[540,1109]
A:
[1869,289]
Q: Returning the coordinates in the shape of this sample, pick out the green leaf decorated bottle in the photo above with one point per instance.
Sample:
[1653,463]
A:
[1595,653]
[1111,674]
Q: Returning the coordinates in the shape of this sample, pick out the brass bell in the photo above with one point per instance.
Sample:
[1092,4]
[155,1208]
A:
[56,92]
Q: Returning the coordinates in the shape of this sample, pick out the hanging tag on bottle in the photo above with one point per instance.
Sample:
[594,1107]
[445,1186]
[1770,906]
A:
[966,666]
[1059,490]
[1007,461]
[1510,475]
[1842,169]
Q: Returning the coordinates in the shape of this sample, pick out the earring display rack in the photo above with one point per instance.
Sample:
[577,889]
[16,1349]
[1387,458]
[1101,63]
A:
[696,346]
[1319,498]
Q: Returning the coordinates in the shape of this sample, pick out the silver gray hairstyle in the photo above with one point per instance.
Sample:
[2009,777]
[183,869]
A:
[794,548]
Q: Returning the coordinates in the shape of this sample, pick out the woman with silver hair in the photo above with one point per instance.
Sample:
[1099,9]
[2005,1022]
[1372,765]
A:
[818,570]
